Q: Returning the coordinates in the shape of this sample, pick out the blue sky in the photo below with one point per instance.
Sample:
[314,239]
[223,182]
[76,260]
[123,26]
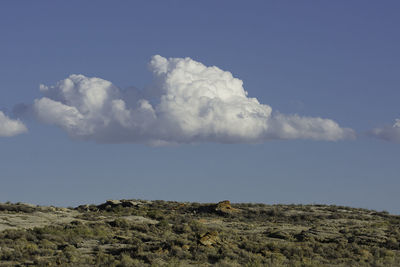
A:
[337,60]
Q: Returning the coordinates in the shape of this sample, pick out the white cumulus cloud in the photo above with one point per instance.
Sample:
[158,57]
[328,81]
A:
[10,127]
[190,103]
[388,133]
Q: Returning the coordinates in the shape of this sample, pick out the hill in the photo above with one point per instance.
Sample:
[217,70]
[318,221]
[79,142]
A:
[162,233]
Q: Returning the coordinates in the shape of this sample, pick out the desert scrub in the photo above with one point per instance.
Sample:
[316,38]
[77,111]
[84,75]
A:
[256,235]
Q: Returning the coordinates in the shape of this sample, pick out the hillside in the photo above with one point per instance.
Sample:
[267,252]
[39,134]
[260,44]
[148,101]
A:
[161,233]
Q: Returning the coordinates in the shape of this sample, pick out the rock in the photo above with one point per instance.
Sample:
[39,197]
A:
[221,208]
[129,203]
[225,207]
[112,202]
[209,238]
[115,203]
[109,204]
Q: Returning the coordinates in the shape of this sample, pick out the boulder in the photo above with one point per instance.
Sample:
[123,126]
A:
[129,203]
[225,207]
[209,238]
[113,203]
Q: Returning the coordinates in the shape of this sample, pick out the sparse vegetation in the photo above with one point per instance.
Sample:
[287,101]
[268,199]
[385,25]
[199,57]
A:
[160,233]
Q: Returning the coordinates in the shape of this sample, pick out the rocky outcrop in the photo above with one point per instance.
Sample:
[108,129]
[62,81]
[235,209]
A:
[109,204]
[208,239]
[225,207]
[221,208]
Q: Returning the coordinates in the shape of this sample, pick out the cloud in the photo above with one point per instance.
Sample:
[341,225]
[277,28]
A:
[9,127]
[188,102]
[388,133]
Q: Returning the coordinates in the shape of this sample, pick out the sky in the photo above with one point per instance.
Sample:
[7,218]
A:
[262,101]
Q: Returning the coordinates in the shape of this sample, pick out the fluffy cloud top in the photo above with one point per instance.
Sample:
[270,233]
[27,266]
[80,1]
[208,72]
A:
[388,133]
[9,127]
[193,103]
